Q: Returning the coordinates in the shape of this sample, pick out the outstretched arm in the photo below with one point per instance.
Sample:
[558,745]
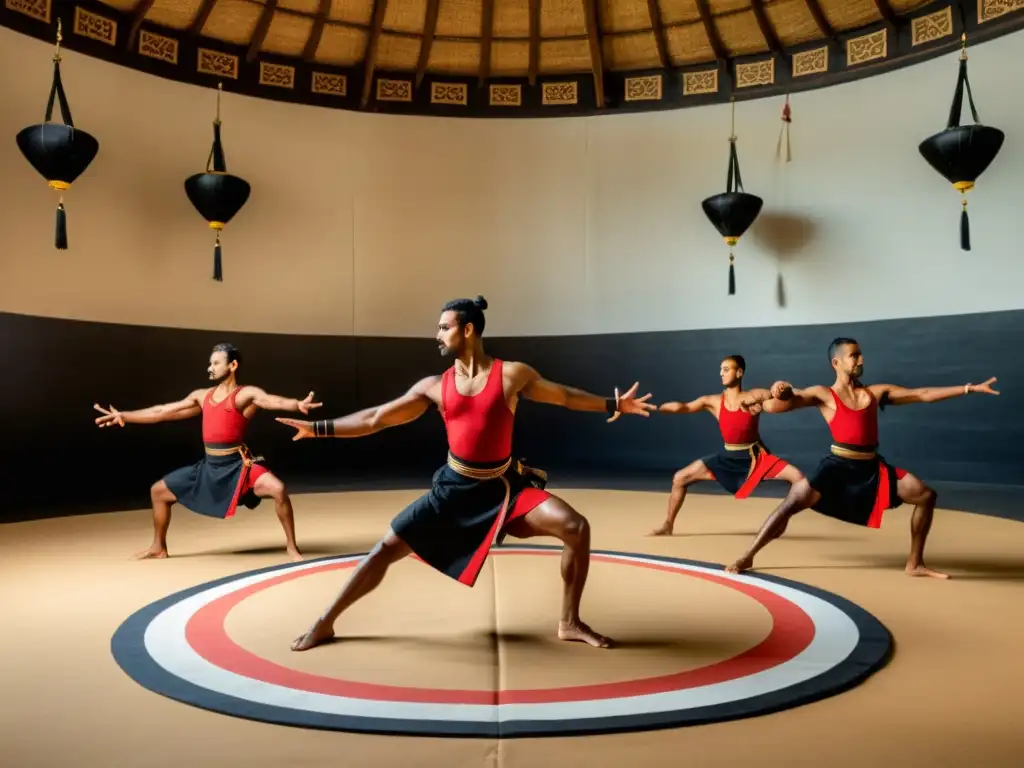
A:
[401,410]
[703,403]
[186,408]
[896,395]
[267,402]
[532,386]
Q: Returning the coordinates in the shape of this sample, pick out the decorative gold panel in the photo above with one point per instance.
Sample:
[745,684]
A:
[37,9]
[993,9]
[643,88]
[158,46]
[812,62]
[333,85]
[506,95]
[705,81]
[96,27]
[217,63]
[560,93]
[394,90]
[449,93]
[867,48]
[755,73]
[279,75]
[934,26]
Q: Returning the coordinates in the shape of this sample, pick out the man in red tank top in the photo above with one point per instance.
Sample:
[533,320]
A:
[227,475]
[854,483]
[744,460]
[482,492]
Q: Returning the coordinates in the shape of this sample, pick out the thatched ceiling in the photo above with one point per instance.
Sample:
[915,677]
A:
[519,38]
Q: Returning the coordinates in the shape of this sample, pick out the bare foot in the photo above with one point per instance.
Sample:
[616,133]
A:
[153,553]
[743,564]
[664,530]
[318,634]
[920,570]
[294,555]
[578,631]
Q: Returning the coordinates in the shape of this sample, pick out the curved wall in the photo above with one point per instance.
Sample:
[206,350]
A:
[361,225]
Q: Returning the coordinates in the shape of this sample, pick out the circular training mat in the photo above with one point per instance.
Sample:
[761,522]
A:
[768,644]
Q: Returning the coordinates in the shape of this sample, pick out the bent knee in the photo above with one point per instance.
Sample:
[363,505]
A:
[574,527]
[272,487]
[160,492]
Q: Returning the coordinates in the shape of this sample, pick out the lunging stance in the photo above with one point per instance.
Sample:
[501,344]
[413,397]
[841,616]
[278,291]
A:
[482,492]
[744,461]
[228,475]
[854,483]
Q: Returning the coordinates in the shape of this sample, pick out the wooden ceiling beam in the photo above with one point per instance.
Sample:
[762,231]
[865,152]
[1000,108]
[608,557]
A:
[596,59]
[138,16]
[887,13]
[262,27]
[486,35]
[711,31]
[534,40]
[202,16]
[370,60]
[658,28]
[771,38]
[313,41]
[429,28]
[823,26]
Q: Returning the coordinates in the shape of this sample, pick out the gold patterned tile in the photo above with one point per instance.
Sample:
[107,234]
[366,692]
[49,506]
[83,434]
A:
[36,9]
[506,95]
[755,73]
[560,93]
[95,27]
[277,75]
[216,63]
[330,84]
[394,90]
[865,48]
[449,93]
[647,88]
[158,47]
[704,81]
[812,62]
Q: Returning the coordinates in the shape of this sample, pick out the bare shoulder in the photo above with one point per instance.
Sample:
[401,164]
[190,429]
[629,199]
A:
[198,396]
[247,393]
[428,386]
[818,391]
[518,375]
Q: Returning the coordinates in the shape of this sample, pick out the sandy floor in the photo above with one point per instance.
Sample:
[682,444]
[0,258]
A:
[950,697]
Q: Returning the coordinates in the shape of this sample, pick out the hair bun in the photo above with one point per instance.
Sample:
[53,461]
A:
[481,302]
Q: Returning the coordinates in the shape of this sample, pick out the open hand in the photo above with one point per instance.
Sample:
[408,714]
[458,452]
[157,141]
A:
[628,403]
[985,387]
[109,418]
[305,406]
[305,428]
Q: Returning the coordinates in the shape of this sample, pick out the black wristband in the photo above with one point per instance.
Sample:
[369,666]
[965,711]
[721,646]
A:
[329,428]
[323,428]
[611,406]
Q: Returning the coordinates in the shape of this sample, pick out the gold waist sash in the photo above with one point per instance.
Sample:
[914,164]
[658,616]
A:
[850,453]
[247,458]
[478,473]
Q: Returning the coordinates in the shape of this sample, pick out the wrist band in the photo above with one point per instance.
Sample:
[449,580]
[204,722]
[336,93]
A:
[323,428]
[967,389]
[610,405]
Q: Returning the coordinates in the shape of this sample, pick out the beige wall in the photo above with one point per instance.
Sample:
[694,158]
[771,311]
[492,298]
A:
[367,223]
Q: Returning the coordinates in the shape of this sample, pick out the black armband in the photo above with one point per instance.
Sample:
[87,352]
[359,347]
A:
[611,406]
[323,428]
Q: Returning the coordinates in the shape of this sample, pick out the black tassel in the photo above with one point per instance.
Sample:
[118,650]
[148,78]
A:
[732,278]
[965,229]
[217,273]
[61,241]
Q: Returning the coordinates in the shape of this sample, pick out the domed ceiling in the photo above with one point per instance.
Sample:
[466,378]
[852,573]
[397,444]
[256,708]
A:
[514,57]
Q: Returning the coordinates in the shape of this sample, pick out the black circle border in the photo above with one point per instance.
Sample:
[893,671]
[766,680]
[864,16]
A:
[872,652]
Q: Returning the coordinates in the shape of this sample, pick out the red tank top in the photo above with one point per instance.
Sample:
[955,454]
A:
[854,427]
[737,426]
[479,426]
[223,422]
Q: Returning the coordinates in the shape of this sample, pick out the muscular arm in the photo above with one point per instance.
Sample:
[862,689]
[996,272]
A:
[186,408]
[401,410]
[530,384]
[896,395]
[265,401]
[703,403]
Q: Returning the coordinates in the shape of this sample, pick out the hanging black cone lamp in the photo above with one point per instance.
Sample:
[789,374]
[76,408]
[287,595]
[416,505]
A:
[59,153]
[961,153]
[733,211]
[216,194]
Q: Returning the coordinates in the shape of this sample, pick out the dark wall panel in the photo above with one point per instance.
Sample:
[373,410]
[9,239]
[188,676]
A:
[55,461]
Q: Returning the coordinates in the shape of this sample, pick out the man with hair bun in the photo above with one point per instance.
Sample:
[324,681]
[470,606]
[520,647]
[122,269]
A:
[743,461]
[482,493]
[853,483]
